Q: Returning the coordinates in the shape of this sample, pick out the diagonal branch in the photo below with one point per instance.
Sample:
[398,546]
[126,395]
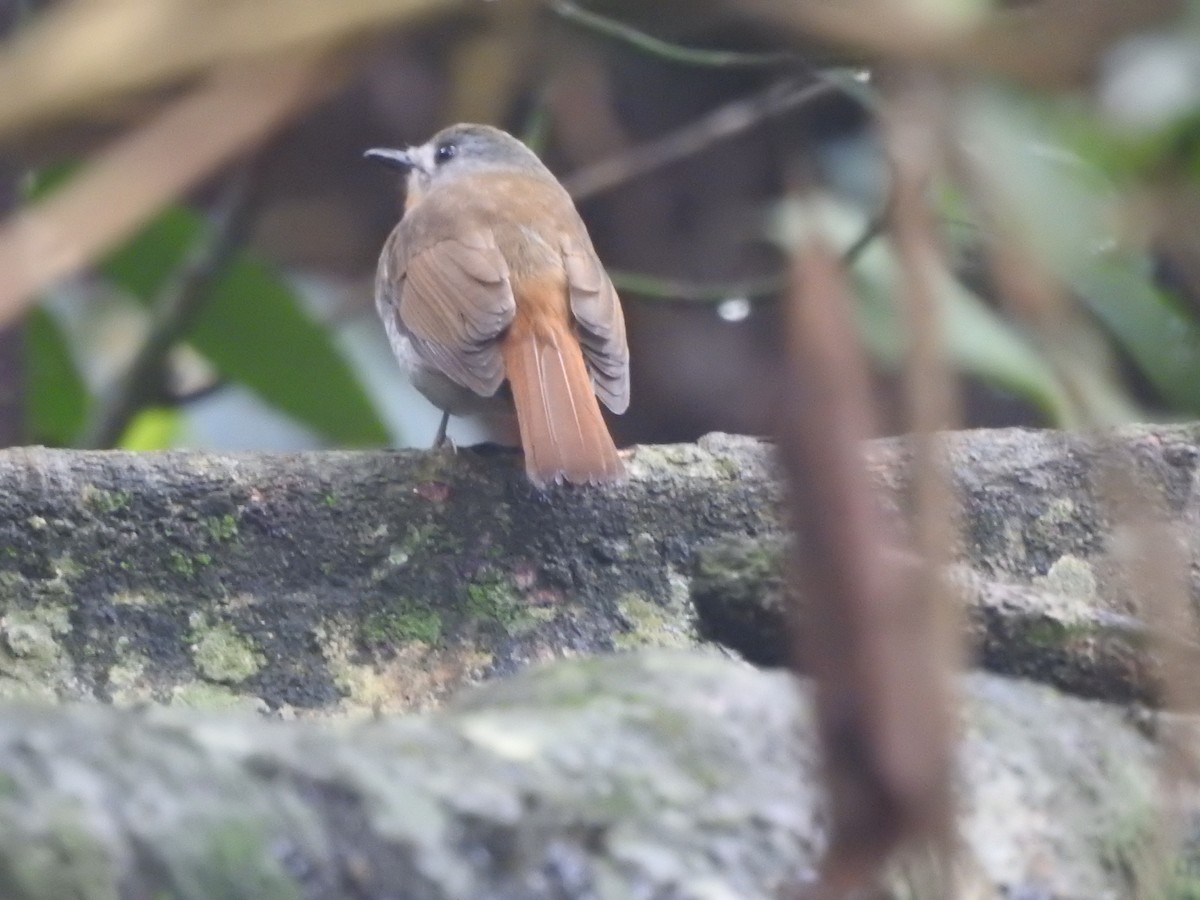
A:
[126,183]
[721,124]
[692,56]
[175,310]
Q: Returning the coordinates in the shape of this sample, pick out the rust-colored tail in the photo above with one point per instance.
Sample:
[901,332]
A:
[562,432]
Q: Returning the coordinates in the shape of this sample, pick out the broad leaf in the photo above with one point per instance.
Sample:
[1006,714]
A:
[153,428]
[255,331]
[56,398]
[1160,335]
[977,339]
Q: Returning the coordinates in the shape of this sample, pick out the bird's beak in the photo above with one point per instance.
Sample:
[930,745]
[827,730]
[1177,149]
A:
[393,159]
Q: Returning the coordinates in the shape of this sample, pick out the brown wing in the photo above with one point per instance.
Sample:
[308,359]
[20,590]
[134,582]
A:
[454,299]
[601,324]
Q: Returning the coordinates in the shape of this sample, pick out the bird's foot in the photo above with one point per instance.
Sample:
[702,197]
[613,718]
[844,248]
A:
[441,440]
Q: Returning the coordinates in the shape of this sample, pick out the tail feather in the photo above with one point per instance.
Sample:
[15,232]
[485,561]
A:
[563,434]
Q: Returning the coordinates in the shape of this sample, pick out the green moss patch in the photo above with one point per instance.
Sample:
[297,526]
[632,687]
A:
[221,654]
[214,697]
[103,501]
[222,528]
[400,623]
[649,624]
[33,661]
[493,599]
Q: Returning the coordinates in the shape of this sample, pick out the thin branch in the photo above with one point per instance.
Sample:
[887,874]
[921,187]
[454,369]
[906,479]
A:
[921,743]
[874,228]
[720,124]
[1155,564]
[13,364]
[684,291]
[1150,549]
[1071,344]
[174,311]
[680,290]
[691,56]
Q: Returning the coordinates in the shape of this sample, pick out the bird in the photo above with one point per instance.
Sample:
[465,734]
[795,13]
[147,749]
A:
[494,299]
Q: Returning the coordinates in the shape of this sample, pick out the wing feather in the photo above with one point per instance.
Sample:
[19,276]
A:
[453,299]
[599,322]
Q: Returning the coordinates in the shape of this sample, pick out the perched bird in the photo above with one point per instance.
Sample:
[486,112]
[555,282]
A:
[493,298]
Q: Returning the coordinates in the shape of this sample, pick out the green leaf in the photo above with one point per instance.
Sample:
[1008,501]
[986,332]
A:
[153,428]
[255,331]
[1063,205]
[143,264]
[56,398]
[977,339]
[1059,169]
[1153,327]
[41,183]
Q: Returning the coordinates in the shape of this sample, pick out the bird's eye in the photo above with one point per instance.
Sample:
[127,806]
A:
[445,152]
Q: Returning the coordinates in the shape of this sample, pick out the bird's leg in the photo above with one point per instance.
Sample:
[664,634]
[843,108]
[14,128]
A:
[440,440]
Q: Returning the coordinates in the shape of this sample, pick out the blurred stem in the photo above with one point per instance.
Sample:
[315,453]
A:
[536,127]
[911,137]
[13,14]
[823,415]
[691,56]
[174,311]
[12,362]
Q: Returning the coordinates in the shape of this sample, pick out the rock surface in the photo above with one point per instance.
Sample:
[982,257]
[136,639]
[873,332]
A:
[741,601]
[667,774]
[342,581]
[316,584]
[359,581]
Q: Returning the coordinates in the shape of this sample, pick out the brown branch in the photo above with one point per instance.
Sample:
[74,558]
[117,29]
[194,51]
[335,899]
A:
[140,172]
[684,291]
[840,534]
[1151,556]
[927,651]
[74,55]
[720,124]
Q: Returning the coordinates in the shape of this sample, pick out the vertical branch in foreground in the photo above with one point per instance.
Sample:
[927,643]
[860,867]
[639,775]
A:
[883,740]
[12,337]
[913,130]
[1154,561]
[1151,552]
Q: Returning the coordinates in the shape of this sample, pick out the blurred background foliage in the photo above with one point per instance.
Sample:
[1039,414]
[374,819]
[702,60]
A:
[191,235]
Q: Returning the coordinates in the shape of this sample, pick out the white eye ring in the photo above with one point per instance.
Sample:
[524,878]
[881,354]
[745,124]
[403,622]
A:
[445,152]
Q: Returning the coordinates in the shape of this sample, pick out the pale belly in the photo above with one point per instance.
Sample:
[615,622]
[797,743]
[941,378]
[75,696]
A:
[495,414]
[441,391]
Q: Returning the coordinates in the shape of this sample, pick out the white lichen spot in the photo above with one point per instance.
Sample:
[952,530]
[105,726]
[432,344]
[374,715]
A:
[1071,576]
[502,736]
